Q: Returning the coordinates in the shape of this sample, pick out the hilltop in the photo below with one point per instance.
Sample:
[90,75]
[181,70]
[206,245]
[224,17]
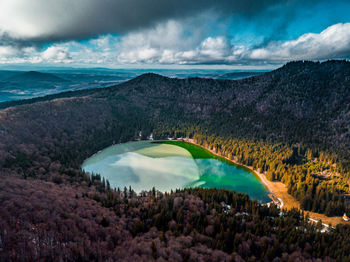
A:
[8,73]
[237,75]
[34,76]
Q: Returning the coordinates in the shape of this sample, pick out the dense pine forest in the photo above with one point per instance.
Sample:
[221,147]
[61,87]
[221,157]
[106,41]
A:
[90,222]
[312,178]
[292,123]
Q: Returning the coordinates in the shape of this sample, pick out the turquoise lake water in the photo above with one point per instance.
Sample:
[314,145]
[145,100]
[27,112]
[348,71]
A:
[144,165]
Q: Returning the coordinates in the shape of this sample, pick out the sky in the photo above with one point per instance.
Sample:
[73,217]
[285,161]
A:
[172,34]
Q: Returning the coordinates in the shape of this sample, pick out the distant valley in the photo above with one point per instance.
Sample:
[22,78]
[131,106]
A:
[17,85]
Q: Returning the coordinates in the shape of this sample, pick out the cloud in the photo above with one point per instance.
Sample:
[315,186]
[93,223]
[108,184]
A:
[53,54]
[56,54]
[161,44]
[117,32]
[333,42]
[52,20]
[14,54]
[154,46]
[8,51]
[175,43]
[172,43]
[215,48]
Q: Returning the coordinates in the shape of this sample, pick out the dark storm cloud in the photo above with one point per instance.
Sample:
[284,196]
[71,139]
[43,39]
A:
[52,20]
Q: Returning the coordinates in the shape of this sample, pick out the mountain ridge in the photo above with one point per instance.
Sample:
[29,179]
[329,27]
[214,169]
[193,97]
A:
[35,76]
[315,97]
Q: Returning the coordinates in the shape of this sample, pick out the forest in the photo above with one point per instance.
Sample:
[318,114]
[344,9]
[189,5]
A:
[313,178]
[92,222]
[292,123]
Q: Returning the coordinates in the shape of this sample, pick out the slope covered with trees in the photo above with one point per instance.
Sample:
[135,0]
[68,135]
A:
[43,221]
[293,123]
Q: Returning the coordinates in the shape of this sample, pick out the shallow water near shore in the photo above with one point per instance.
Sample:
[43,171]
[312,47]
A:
[165,166]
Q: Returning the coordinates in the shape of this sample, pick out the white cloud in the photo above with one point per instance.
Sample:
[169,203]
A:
[215,48]
[14,55]
[56,54]
[170,44]
[165,45]
[160,44]
[53,54]
[333,42]
[8,51]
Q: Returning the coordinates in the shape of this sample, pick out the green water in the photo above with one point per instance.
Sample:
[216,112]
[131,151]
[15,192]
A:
[171,165]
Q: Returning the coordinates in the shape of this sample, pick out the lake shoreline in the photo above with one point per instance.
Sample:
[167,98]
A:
[279,192]
[261,176]
[121,165]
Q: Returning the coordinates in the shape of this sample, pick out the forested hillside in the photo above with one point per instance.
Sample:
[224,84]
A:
[293,123]
[93,223]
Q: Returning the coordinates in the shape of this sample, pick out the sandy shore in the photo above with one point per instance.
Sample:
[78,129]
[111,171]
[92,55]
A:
[279,193]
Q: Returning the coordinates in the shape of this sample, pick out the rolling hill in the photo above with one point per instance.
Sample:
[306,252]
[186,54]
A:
[34,76]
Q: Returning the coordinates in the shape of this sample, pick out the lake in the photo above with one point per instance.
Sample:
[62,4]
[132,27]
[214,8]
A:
[169,165]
